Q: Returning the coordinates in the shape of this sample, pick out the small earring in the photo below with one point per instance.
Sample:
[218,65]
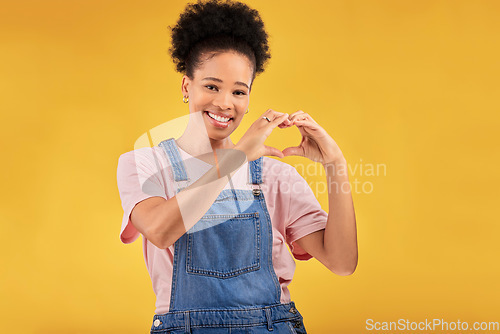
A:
[185,99]
[246,112]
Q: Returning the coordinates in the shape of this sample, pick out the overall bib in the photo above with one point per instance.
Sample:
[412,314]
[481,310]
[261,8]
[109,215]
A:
[223,277]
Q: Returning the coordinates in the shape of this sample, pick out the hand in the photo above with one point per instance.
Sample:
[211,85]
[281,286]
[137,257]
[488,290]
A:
[252,142]
[316,143]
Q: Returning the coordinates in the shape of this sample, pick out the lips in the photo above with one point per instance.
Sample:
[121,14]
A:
[219,114]
[216,123]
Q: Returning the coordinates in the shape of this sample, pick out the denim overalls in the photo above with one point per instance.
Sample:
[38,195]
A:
[223,277]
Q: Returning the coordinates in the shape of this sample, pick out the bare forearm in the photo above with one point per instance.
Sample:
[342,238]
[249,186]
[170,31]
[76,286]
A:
[194,201]
[340,241]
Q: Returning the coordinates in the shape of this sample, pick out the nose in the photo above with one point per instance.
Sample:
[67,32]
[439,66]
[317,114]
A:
[223,101]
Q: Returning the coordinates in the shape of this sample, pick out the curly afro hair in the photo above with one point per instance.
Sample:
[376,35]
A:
[214,26]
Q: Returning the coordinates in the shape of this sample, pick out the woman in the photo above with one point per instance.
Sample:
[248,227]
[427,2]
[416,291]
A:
[215,216]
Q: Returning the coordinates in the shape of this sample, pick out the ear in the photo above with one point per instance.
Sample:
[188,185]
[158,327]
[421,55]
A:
[186,82]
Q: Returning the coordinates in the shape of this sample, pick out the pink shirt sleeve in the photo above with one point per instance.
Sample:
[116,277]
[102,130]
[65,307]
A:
[305,214]
[139,176]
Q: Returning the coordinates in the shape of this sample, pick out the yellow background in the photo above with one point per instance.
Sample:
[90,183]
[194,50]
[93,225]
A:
[412,85]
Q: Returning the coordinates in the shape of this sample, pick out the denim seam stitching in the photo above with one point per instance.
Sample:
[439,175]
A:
[248,324]
[285,306]
[270,255]
[218,216]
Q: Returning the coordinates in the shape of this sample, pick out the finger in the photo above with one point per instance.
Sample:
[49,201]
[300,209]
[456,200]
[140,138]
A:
[301,116]
[312,119]
[306,123]
[273,151]
[278,120]
[298,118]
[308,117]
[294,150]
[285,124]
[272,113]
[296,113]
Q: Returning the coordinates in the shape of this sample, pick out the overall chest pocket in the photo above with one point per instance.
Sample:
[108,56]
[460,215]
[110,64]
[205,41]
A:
[224,246]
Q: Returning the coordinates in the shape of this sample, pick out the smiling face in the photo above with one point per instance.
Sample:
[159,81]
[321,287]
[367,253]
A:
[220,89]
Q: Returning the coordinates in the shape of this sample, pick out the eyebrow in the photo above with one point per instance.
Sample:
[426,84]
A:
[219,80]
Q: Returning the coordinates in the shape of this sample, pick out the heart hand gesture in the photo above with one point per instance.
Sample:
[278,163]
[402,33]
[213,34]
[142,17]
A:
[316,143]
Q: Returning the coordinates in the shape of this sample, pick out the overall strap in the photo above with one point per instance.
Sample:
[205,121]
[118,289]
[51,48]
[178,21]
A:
[255,171]
[173,154]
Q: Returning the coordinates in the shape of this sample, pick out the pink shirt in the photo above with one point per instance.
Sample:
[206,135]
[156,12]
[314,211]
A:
[293,208]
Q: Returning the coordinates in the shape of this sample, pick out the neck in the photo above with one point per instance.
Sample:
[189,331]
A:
[196,142]
[221,144]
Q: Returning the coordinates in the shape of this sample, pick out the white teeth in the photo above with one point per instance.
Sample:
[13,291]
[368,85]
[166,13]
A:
[219,118]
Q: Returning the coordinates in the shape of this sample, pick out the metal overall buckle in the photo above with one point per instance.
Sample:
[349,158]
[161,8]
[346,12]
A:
[257,191]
